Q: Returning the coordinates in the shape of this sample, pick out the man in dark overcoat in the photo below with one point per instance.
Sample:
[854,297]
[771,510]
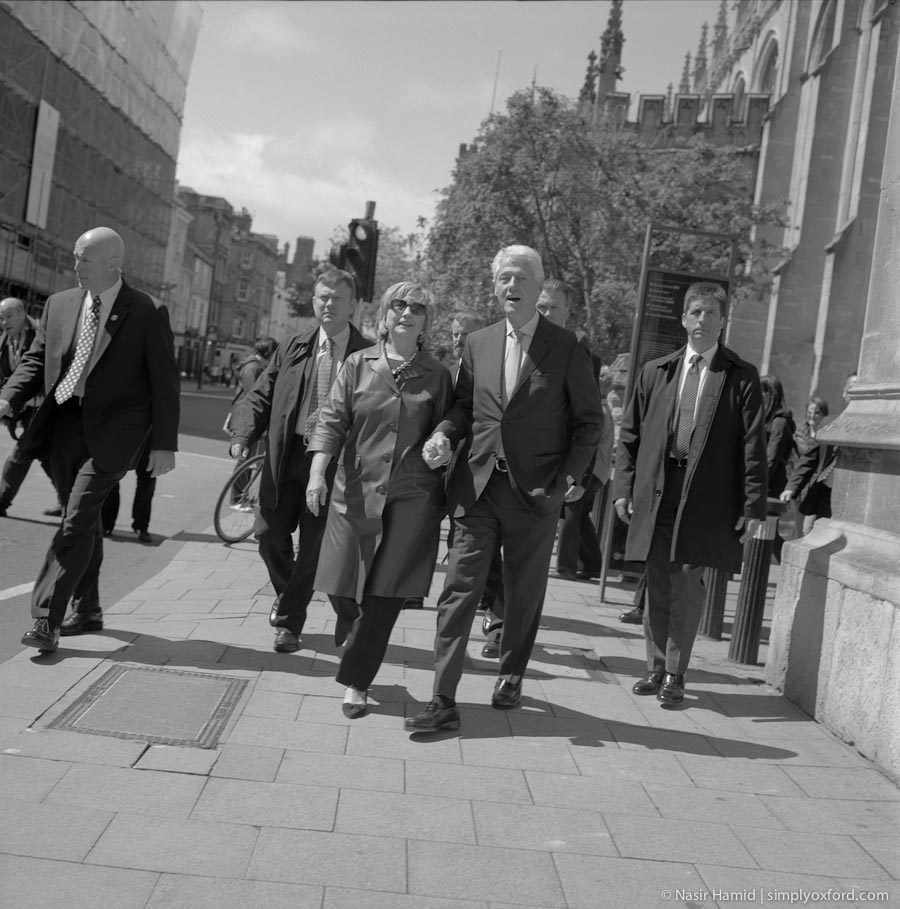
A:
[284,401]
[690,480]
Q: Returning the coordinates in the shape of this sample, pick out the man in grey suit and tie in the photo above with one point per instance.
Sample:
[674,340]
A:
[529,411]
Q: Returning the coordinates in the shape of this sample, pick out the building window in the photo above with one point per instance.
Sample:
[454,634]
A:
[243,289]
[768,72]
[739,91]
[823,39]
[246,258]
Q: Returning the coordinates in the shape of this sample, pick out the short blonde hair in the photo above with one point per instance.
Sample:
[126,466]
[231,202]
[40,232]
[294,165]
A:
[408,292]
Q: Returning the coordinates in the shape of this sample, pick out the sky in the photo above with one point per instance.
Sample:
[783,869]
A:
[303,111]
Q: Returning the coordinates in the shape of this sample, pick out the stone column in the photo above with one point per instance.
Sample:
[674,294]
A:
[835,642]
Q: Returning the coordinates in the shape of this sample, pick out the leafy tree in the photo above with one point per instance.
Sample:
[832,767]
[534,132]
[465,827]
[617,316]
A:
[582,194]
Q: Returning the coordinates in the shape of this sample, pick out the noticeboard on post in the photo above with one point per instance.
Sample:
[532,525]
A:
[659,331]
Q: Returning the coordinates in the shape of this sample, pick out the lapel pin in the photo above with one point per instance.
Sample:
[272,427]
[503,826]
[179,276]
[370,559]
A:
[113,318]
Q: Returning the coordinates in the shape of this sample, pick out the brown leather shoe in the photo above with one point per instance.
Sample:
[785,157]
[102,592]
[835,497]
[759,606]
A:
[672,691]
[286,641]
[650,683]
[81,623]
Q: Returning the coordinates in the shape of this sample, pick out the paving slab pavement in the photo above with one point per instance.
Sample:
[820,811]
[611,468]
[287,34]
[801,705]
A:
[587,796]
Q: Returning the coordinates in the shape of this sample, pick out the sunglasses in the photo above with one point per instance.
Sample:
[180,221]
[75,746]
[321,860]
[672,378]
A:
[400,306]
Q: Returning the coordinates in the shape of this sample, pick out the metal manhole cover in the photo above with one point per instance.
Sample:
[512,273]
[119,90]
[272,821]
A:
[156,705]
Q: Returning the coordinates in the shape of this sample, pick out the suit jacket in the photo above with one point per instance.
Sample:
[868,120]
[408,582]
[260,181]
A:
[274,402]
[550,427]
[133,389]
[29,330]
[726,474]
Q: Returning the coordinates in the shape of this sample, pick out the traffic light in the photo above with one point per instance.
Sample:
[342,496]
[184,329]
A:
[361,254]
[338,256]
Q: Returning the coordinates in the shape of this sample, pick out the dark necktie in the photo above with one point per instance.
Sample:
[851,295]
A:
[323,384]
[686,410]
[83,350]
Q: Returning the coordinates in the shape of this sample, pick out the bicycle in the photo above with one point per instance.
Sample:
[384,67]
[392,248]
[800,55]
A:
[238,502]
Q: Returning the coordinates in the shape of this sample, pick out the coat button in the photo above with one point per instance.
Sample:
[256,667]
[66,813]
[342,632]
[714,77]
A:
[379,490]
[386,457]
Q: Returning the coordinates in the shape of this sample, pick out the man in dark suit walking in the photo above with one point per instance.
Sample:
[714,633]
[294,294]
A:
[690,481]
[530,410]
[285,401]
[104,357]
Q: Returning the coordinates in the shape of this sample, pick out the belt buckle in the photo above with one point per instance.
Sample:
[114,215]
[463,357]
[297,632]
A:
[501,465]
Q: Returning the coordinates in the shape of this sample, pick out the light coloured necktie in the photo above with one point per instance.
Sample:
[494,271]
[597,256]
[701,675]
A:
[82,354]
[323,384]
[686,410]
[511,363]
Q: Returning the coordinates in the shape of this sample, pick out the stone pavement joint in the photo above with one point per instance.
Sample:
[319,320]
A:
[587,796]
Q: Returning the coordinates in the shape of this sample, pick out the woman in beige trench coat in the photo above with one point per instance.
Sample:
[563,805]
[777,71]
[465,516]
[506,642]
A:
[381,537]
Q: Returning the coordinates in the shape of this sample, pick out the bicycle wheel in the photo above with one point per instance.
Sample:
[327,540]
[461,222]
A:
[238,502]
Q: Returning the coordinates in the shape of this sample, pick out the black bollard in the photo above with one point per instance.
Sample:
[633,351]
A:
[715,582]
[748,615]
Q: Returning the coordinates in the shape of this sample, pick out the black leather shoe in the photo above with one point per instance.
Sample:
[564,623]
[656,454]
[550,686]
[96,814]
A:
[273,615]
[487,620]
[507,694]
[650,683]
[435,716]
[3,509]
[633,616]
[144,536]
[672,691]
[44,636]
[286,641]
[491,650]
[81,623]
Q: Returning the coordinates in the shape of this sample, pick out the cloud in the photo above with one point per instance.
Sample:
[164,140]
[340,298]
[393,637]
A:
[297,194]
[268,29]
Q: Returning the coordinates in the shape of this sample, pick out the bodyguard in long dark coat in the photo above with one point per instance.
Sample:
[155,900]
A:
[280,402]
[689,509]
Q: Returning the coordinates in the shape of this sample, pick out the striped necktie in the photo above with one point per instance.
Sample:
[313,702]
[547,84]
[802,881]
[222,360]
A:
[323,383]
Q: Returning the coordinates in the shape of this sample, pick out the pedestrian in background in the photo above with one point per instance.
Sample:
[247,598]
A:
[779,443]
[17,331]
[381,539]
[141,505]
[104,356]
[285,403]
[690,481]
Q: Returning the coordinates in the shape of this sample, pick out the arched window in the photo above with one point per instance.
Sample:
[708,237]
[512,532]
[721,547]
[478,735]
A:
[739,90]
[823,39]
[767,80]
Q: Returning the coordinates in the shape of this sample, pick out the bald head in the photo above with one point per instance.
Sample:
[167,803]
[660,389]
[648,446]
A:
[99,254]
[12,315]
